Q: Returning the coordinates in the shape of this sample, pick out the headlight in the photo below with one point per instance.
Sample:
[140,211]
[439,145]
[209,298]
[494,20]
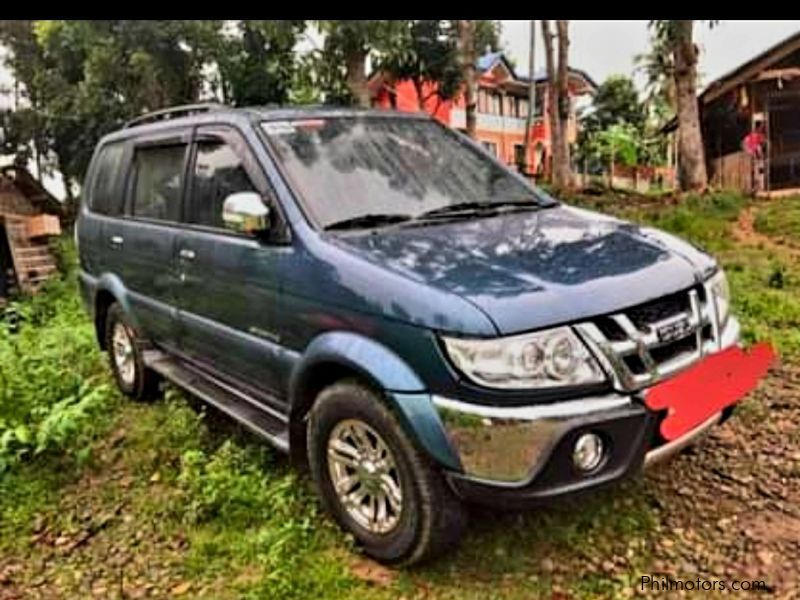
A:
[721,294]
[551,358]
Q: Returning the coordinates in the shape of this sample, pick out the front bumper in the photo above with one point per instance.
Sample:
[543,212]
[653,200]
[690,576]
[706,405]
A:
[521,455]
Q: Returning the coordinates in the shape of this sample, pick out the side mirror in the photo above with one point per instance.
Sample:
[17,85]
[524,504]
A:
[245,212]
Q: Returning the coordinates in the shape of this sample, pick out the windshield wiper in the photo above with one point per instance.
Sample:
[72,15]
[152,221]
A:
[474,207]
[368,221]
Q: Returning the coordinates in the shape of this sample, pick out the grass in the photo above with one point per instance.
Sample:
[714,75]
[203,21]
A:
[780,218]
[171,499]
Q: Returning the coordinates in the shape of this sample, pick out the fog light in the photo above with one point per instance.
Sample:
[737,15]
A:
[588,451]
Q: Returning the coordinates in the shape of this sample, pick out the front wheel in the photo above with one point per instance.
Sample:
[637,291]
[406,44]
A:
[125,355]
[374,480]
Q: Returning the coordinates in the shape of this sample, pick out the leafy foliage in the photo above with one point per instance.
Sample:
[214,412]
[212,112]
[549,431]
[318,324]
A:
[53,384]
[426,51]
[615,102]
[617,129]
[487,36]
[256,64]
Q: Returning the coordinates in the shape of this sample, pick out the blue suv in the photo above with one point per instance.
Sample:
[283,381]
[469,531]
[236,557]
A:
[376,295]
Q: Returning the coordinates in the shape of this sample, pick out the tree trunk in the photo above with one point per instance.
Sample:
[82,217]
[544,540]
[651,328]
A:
[531,116]
[356,65]
[70,201]
[692,173]
[419,90]
[466,42]
[563,175]
[558,103]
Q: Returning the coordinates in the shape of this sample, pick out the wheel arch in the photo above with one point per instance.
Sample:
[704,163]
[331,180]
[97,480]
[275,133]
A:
[109,290]
[340,355]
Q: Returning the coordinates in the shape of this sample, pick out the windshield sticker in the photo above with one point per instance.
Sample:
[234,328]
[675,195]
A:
[278,128]
[309,124]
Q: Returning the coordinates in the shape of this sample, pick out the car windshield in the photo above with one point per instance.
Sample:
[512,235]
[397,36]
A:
[362,168]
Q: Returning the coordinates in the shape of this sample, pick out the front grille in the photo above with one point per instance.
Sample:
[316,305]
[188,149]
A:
[644,315]
[648,342]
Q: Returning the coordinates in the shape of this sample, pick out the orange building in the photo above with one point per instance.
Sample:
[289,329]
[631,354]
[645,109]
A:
[502,108]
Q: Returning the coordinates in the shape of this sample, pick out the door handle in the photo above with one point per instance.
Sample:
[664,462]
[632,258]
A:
[117,240]
[187,254]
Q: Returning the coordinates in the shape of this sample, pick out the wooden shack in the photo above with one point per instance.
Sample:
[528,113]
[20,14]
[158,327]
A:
[29,217]
[761,95]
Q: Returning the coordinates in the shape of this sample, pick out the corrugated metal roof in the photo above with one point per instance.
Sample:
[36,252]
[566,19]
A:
[487,61]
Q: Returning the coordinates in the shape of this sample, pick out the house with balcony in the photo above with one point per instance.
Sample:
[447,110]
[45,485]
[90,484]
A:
[502,108]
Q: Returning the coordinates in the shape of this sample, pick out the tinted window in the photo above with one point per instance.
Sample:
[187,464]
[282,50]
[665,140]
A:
[218,172]
[157,187]
[105,196]
[349,167]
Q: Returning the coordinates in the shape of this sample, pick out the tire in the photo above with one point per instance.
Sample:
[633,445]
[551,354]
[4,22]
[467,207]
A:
[133,379]
[430,520]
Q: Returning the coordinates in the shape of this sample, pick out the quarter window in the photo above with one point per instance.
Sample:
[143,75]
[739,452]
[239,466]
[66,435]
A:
[158,183]
[105,197]
[218,172]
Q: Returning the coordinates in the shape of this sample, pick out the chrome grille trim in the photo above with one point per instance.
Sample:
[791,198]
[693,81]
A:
[640,343]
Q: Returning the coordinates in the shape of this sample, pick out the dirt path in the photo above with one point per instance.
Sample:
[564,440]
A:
[731,507]
[744,232]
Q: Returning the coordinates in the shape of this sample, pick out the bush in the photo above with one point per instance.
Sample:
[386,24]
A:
[53,381]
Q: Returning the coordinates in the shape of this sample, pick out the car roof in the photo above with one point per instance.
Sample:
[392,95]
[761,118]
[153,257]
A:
[244,115]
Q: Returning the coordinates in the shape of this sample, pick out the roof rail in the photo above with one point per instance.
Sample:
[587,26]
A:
[173,112]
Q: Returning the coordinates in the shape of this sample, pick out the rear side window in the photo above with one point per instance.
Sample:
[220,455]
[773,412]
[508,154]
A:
[218,172]
[158,182]
[105,196]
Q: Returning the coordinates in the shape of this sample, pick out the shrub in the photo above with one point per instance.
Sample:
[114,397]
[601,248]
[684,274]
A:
[53,381]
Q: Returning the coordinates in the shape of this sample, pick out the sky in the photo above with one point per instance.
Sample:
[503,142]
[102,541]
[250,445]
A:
[603,48]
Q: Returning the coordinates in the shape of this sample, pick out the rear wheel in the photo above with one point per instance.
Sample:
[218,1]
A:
[374,480]
[125,356]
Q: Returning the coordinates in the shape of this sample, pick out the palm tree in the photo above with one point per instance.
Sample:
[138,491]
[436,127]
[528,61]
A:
[658,70]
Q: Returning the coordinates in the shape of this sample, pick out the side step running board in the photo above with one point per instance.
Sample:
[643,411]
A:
[263,421]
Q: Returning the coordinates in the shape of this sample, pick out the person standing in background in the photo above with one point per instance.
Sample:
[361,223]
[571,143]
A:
[755,144]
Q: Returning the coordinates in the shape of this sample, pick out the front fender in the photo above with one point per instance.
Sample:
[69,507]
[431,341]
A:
[361,354]
[402,388]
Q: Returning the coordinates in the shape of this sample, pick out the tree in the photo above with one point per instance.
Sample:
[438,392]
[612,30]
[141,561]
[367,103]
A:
[616,114]
[531,93]
[558,101]
[616,101]
[81,79]
[426,53]
[487,36]
[468,58]
[347,46]
[657,67]
[619,143]
[676,39]
[256,63]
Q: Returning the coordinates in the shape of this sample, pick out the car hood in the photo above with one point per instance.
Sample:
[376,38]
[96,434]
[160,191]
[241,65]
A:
[527,270]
